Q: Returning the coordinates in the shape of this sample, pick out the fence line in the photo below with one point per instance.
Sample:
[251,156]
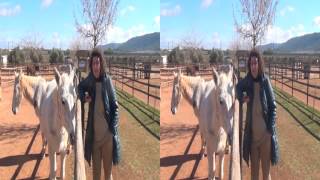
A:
[281,73]
[128,76]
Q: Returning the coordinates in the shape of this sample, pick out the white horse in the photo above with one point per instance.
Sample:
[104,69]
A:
[217,112]
[191,88]
[54,103]
[31,88]
[212,105]
[57,112]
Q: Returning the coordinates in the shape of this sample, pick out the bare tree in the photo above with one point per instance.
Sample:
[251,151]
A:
[32,41]
[32,44]
[258,15]
[98,15]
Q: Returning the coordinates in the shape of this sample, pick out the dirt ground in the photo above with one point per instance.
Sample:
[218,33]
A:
[20,143]
[180,146]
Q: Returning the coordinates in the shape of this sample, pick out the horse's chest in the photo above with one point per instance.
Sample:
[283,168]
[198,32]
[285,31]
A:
[59,141]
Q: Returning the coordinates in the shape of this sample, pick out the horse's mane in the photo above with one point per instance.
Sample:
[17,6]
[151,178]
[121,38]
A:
[28,83]
[190,81]
[189,84]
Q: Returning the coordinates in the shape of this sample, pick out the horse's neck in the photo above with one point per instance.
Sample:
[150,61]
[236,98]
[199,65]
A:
[189,87]
[57,127]
[29,85]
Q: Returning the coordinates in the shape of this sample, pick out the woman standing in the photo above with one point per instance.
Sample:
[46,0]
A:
[260,143]
[102,139]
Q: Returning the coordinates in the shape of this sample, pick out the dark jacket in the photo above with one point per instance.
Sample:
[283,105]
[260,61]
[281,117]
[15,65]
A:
[268,104]
[111,113]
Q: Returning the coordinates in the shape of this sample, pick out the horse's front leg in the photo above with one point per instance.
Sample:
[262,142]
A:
[221,160]
[53,165]
[63,162]
[203,145]
[211,163]
[44,145]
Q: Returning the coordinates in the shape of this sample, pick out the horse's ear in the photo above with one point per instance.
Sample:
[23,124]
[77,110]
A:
[174,74]
[215,76]
[37,96]
[230,72]
[57,75]
[72,72]
[70,69]
[20,74]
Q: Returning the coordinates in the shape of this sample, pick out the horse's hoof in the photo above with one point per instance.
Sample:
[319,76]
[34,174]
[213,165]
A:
[227,150]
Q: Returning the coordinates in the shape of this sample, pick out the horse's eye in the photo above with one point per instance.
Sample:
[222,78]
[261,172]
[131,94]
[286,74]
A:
[63,102]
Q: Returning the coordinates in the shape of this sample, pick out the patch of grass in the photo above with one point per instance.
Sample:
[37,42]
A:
[139,103]
[147,116]
[300,112]
[140,151]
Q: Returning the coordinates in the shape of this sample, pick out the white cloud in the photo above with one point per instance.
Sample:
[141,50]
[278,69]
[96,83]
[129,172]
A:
[286,10]
[127,9]
[118,35]
[56,40]
[46,3]
[5,10]
[276,34]
[171,11]
[216,40]
[157,21]
[206,3]
[316,21]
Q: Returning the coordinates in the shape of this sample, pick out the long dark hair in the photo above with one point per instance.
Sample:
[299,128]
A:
[96,53]
[255,53]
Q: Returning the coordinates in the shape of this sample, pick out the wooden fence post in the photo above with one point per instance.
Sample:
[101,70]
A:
[148,89]
[308,92]
[116,77]
[282,76]
[275,76]
[79,169]
[133,77]
[122,77]
[235,162]
[292,71]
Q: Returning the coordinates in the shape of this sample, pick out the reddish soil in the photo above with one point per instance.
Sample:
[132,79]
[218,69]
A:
[180,146]
[21,143]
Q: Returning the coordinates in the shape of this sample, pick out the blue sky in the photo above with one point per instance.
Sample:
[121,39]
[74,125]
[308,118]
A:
[52,23]
[211,24]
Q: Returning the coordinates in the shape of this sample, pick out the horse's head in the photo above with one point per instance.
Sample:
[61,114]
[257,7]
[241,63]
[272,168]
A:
[17,92]
[225,97]
[67,99]
[176,92]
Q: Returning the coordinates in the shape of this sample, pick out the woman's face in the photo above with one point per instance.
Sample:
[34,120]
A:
[254,66]
[96,66]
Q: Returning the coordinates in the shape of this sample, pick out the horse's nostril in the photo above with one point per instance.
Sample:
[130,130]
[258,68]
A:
[221,101]
[63,102]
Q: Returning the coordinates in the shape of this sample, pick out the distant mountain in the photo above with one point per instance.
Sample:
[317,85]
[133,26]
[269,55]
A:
[144,43]
[111,46]
[309,43]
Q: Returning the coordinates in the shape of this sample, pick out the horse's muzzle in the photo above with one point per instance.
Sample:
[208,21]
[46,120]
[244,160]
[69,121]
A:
[72,139]
[173,111]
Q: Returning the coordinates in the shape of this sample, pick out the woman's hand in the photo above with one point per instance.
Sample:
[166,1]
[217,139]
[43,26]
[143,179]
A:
[245,99]
[87,97]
